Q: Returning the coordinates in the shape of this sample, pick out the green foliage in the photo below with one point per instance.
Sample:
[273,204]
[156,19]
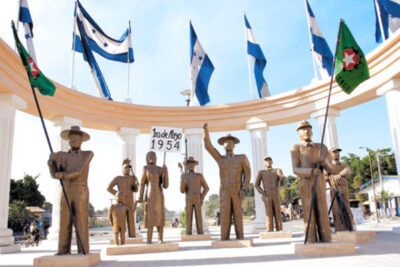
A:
[183,218]
[248,205]
[91,210]
[18,216]
[212,204]
[291,190]
[26,190]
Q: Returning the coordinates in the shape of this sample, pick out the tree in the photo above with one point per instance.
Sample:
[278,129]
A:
[291,190]
[26,190]
[19,216]
[212,204]
[91,210]
[248,204]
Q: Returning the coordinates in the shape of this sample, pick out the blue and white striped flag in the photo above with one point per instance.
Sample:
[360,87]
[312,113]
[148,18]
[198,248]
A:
[88,56]
[320,47]
[26,19]
[201,70]
[116,50]
[387,13]
[254,51]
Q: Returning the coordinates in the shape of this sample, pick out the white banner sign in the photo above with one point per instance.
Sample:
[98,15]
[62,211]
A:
[166,139]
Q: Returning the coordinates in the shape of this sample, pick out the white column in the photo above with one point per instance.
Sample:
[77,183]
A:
[392,92]
[258,134]
[330,138]
[62,123]
[195,149]
[8,105]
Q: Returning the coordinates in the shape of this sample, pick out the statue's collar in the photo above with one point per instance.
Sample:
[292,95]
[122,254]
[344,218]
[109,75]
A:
[307,143]
[77,151]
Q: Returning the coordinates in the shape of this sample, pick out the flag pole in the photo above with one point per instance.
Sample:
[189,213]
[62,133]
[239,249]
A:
[50,146]
[73,47]
[311,42]
[248,61]
[322,137]
[378,10]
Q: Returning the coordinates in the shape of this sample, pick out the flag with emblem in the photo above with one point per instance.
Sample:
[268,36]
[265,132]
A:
[201,70]
[36,77]
[351,67]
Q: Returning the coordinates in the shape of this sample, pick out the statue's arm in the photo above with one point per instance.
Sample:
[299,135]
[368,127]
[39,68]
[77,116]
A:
[143,182]
[282,178]
[247,173]
[207,144]
[203,184]
[52,164]
[110,218]
[346,171]
[164,173]
[258,183]
[78,171]
[183,183]
[326,161]
[110,187]
[299,171]
[135,184]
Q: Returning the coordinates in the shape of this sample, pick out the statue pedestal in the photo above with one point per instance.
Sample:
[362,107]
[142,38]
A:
[10,249]
[130,240]
[353,237]
[139,249]
[324,249]
[232,243]
[279,234]
[195,237]
[68,260]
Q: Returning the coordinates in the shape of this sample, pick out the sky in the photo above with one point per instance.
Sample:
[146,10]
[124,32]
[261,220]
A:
[160,33]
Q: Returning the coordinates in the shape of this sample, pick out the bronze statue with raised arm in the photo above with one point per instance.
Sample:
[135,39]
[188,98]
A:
[234,171]
[338,182]
[271,179]
[155,178]
[73,168]
[126,184]
[305,158]
[192,184]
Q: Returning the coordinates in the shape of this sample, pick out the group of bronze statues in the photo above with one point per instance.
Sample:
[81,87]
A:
[72,168]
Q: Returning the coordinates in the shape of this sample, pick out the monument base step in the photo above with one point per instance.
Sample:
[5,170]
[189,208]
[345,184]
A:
[195,237]
[68,260]
[352,237]
[371,234]
[130,240]
[139,249]
[324,249]
[232,243]
[279,234]
[9,249]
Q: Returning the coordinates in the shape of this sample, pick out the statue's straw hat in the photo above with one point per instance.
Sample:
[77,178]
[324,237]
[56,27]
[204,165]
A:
[222,140]
[190,159]
[126,163]
[303,124]
[74,130]
[267,158]
[335,148]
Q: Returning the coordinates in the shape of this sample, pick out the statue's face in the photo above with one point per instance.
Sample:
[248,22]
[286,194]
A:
[75,141]
[191,166]
[305,133]
[229,145]
[151,158]
[268,163]
[335,155]
[126,170]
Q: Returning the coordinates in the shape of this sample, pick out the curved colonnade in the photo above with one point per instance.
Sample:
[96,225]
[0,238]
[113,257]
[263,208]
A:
[69,107]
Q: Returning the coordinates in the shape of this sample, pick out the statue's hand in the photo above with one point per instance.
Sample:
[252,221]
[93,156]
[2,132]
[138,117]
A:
[205,126]
[180,166]
[53,157]
[316,172]
[59,175]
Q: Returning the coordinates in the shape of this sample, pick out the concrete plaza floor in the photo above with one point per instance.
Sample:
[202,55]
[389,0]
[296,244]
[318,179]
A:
[384,250]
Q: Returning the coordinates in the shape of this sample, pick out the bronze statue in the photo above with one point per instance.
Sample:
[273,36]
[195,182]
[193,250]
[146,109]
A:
[117,214]
[154,178]
[338,182]
[234,171]
[305,157]
[271,179]
[73,168]
[127,184]
[191,184]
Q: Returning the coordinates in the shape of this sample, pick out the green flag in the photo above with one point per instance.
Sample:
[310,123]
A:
[351,67]
[36,77]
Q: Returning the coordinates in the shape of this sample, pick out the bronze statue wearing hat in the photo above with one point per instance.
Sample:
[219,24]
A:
[127,184]
[117,215]
[305,157]
[191,185]
[155,178]
[338,182]
[234,171]
[73,168]
[271,179]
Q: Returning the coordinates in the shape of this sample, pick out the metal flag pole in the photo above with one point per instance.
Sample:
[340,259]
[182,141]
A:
[73,47]
[51,148]
[311,42]
[322,137]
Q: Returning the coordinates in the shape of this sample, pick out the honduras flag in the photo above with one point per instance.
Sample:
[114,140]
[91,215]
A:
[389,11]
[26,19]
[254,50]
[319,45]
[116,50]
[89,57]
[201,69]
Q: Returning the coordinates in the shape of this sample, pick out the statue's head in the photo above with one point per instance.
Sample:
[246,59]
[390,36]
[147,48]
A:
[119,196]
[304,130]
[75,137]
[151,158]
[268,162]
[126,166]
[228,142]
[335,153]
[190,163]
